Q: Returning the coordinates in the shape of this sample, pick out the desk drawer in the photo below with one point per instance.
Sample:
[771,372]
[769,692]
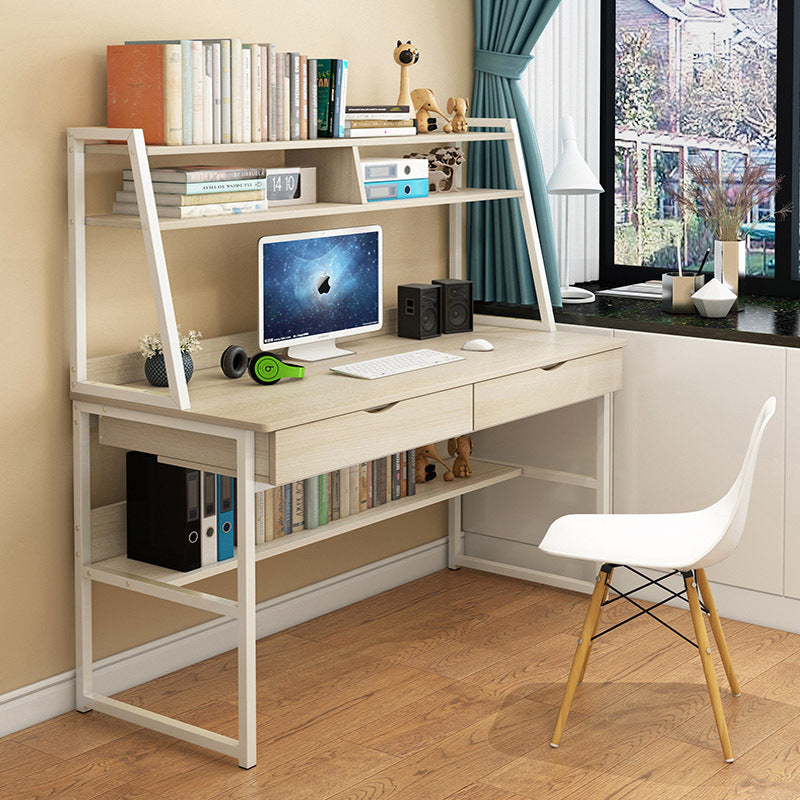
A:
[327,444]
[526,393]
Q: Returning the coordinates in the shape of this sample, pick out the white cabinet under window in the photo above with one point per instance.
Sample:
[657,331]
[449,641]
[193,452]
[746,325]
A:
[792,528]
[681,425]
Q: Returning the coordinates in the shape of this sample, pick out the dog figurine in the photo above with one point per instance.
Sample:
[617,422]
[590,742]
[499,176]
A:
[461,448]
[405,55]
[459,107]
[425,105]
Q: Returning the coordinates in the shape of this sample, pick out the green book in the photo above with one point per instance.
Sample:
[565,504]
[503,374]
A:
[324,97]
[324,489]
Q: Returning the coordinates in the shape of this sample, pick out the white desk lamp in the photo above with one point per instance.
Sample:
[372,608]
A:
[572,175]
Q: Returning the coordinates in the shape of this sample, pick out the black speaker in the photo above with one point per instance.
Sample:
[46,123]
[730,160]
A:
[418,310]
[456,307]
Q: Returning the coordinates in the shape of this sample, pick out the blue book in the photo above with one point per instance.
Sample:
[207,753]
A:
[339,98]
[226,516]
[287,505]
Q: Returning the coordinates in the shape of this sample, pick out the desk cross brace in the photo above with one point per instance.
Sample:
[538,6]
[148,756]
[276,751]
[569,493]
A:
[649,611]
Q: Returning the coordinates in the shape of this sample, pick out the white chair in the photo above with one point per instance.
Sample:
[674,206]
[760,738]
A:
[685,543]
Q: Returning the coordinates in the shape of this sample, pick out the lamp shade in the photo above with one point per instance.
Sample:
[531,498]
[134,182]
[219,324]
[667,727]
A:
[572,174]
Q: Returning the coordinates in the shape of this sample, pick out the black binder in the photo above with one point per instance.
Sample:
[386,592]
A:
[163,512]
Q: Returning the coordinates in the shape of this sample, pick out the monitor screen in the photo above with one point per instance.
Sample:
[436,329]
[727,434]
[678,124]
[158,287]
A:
[320,284]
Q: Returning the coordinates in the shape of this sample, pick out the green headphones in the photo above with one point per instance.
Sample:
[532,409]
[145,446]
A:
[264,368]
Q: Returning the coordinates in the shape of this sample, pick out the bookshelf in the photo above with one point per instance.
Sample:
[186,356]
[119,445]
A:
[238,428]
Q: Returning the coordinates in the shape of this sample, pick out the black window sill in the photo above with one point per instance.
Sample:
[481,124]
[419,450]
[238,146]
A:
[764,320]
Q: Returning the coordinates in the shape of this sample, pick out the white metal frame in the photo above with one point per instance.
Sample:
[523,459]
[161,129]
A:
[243,608]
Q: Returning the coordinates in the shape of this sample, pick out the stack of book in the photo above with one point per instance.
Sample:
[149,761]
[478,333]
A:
[361,121]
[222,91]
[198,191]
[314,502]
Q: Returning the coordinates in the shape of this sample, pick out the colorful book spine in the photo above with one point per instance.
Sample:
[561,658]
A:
[287,97]
[404,474]
[363,486]
[335,495]
[378,112]
[260,524]
[324,499]
[298,506]
[411,470]
[200,174]
[303,97]
[324,85]
[364,133]
[312,98]
[236,90]
[269,514]
[225,89]
[264,84]
[354,509]
[339,97]
[279,512]
[370,484]
[247,68]
[202,187]
[344,492]
[272,65]
[287,509]
[379,123]
[216,82]
[189,212]
[193,199]
[280,64]
[198,55]
[311,503]
[255,91]
[396,476]
[294,88]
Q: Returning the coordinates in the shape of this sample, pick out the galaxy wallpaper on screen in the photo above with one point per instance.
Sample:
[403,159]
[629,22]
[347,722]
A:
[319,285]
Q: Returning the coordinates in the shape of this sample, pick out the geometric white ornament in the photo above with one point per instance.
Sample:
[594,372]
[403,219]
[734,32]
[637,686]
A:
[714,299]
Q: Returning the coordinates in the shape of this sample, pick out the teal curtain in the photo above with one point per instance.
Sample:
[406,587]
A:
[498,263]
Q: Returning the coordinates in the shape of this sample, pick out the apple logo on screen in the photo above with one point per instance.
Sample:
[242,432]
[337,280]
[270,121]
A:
[324,284]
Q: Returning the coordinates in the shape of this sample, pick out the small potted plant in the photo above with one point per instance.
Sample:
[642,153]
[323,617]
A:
[725,204]
[155,370]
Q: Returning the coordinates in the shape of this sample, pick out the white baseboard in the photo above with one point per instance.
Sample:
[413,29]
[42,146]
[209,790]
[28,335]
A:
[39,701]
[733,602]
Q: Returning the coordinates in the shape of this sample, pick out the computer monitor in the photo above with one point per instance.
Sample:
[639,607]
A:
[319,285]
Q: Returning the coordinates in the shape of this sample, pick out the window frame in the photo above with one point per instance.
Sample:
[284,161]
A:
[786,282]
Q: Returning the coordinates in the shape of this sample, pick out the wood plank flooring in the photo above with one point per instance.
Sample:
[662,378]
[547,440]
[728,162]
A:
[445,689]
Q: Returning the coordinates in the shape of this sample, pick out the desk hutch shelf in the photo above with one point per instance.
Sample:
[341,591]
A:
[241,429]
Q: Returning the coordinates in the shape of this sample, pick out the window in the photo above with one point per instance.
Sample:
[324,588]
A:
[690,79]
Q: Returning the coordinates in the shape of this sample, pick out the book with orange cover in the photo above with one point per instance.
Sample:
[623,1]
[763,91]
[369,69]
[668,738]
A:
[144,90]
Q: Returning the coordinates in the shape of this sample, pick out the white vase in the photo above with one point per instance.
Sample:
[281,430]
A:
[729,264]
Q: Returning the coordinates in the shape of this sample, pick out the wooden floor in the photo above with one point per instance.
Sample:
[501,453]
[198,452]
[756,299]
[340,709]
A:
[445,688]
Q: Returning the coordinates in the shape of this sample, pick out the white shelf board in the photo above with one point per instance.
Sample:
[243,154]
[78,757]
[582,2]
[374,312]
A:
[310,210]
[484,473]
[421,139]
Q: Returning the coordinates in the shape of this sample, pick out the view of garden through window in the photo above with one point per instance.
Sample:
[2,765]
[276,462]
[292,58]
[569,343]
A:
[694,79]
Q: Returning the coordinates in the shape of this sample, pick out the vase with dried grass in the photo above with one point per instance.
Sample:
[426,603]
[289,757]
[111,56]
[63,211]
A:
[726,205]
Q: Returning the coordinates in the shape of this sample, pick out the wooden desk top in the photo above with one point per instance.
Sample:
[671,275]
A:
[322,394]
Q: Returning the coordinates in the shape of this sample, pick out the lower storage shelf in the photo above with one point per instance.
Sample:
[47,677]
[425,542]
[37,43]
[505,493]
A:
[109,521]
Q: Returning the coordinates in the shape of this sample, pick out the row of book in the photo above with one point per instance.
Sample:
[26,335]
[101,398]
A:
[311,503]
[221,91]
[198,191]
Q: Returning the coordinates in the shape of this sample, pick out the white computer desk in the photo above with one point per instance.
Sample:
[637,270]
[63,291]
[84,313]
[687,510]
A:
[299,428]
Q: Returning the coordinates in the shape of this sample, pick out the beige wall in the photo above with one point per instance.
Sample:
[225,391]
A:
[53,66]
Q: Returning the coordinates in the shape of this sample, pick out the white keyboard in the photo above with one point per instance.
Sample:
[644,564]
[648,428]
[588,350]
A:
[397,364]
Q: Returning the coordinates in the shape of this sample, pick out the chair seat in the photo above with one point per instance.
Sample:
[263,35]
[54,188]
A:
[658,541]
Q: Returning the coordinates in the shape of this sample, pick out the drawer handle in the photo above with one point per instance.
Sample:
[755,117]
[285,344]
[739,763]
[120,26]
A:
[381,409]
[554,366]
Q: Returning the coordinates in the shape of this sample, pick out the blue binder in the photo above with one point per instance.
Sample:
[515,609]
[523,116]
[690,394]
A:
[226,516]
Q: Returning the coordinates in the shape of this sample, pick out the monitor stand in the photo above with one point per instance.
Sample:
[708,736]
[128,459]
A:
[317,351]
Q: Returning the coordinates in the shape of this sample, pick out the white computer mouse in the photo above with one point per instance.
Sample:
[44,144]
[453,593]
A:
[477,344]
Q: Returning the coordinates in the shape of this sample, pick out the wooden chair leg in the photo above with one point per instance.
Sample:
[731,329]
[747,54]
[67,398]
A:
[708,667]
[581,653]
[596,625]
[716,628]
